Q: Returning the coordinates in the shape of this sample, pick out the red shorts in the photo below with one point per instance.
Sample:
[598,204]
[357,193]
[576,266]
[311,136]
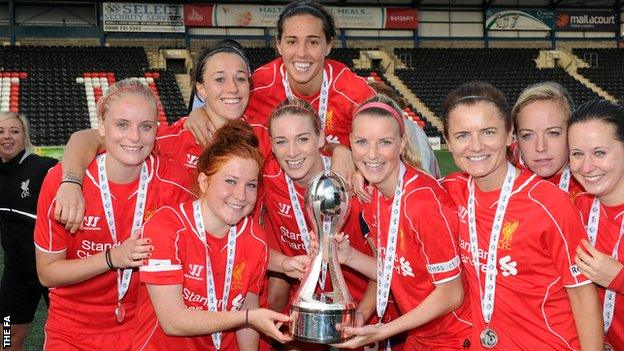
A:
[62,341]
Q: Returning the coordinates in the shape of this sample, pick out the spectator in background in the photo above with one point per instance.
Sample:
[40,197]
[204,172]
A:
[596,139]
[21,176]
[540,118]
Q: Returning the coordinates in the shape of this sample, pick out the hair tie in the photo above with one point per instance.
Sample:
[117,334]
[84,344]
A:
[474,97]
[383,106]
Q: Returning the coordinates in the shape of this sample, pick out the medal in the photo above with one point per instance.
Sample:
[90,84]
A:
[210,283]
[385,266]
[488,337]
[607,347]
[120,312]
[123,277]
[608,305]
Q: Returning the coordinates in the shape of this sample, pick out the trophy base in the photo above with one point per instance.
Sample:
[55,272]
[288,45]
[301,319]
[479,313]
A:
[319,326]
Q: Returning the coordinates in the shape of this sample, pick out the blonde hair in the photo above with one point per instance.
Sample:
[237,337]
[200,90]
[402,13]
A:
[25,126]
[131,86]
[410,155]
[545,91]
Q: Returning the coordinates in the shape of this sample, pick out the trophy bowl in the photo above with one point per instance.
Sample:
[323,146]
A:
[323,299]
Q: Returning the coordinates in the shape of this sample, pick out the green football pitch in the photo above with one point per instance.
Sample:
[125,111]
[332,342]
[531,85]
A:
[34,342]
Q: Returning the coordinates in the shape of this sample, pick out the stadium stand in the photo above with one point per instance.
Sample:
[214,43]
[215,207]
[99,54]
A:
[51,83]
[436,72]
[606,69]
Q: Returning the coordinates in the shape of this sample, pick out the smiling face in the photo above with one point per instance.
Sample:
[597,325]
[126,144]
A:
[296,146]
[12,138]
[542,137]
[225,87]
[596,160]
[229,194]
[376,145]
[129,132]
[303,47]
[478,139]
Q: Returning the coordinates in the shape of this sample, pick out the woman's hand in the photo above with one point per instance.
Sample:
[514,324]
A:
[268,323]
[198,123]
[132,252]
[595,265]
[69,207]
[343,248]
[359,187]
[362,336]
[342,162]
[296,266]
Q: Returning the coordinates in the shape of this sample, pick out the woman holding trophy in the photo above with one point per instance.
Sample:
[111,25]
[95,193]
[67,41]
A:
[414,227]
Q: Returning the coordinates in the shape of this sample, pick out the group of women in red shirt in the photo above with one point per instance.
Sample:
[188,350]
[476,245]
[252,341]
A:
[192,236]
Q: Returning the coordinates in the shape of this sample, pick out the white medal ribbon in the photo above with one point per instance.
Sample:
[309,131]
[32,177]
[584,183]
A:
[487,298]
[385,266]
[292,193]
[229,268]
[123,280]
[323,97]
[608,305]
[564,182]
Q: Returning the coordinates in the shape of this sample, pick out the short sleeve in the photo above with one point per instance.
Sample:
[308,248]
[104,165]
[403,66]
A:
[164,267]
[50,236]
[435,226]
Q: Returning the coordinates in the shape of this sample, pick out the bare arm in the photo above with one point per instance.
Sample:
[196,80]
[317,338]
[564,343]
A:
[81,149]
[445,298]
[247,338]
[177,320]
[279,293]
[353,258]
[294,267]
[199,124]
[54,269]
[587,316]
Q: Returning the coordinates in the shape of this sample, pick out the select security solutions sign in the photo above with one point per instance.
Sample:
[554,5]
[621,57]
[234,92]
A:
[143,17]
[586,20]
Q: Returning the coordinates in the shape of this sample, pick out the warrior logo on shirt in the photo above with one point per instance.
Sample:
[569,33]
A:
[195,272]
[191,160]
[508,230]
[91,223]
[284,209]
[24,186]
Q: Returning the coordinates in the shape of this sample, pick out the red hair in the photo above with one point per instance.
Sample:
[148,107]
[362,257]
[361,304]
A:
[234,139]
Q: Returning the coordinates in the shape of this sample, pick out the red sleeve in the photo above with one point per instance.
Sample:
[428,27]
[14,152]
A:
[567,231]
[165,229]
[50,236]
[174,180]
[617,284]
[435,227]
[259,267]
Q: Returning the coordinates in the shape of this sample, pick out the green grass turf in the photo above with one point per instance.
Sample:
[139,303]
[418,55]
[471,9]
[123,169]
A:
[34,341]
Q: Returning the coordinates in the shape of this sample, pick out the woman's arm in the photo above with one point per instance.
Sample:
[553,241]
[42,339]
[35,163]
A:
[199,124]
[55,270]
[80,150]
[294,267]
[279,292]
[445,298]
[355,259]
[587,316]
[177,320]
[247,338]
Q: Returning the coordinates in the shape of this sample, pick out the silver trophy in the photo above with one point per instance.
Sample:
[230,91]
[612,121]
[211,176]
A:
[323,299]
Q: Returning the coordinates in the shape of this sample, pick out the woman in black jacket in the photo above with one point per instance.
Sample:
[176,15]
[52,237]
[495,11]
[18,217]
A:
[21,175]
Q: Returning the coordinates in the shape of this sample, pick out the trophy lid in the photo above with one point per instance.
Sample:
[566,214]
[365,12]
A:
[328,201]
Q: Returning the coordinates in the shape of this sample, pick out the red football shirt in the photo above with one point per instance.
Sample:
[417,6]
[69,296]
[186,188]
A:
[178,143]
[179,258]
[346,91]
[611,218]
[87,307]
[541,230]
[426,254]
